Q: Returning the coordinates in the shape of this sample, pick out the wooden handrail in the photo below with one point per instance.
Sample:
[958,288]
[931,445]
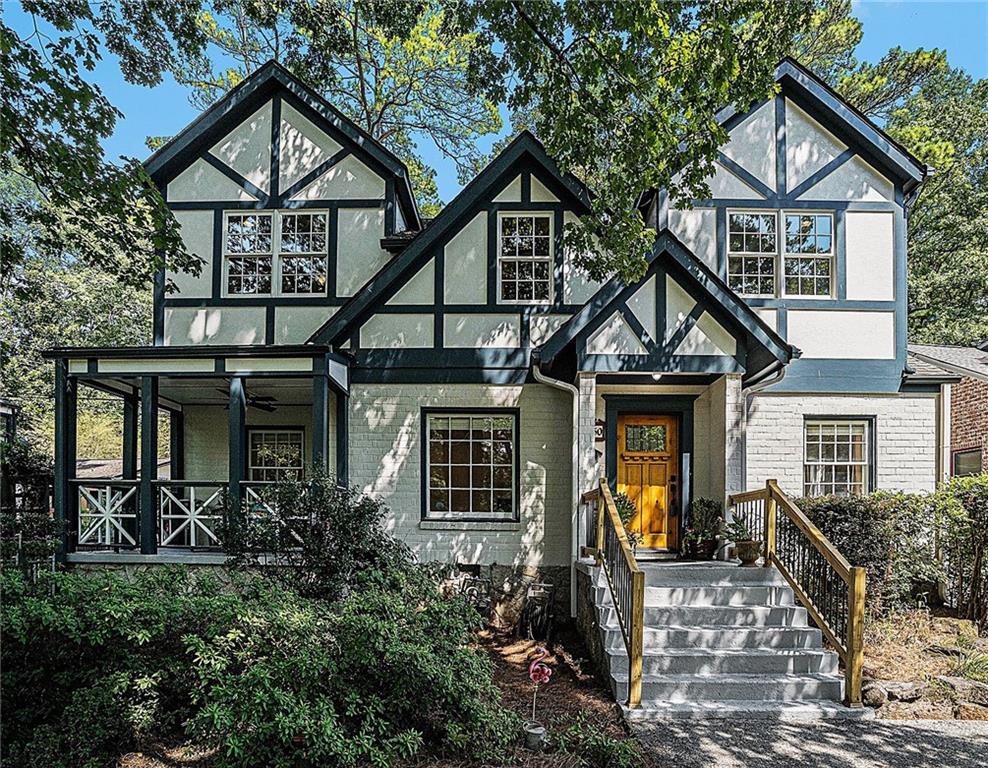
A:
[632,625]
[851,650]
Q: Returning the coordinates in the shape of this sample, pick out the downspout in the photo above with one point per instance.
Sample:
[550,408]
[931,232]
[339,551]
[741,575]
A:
[574,506]
[746,394]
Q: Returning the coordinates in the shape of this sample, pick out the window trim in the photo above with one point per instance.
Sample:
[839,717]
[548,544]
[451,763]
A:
[871,433]
[425,515]
[779,257]
[973,449]
[275,253]
[550,259]
[259,428]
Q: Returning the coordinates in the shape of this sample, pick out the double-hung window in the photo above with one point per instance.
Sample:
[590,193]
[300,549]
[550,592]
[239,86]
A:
[800,249]
[752,242]
[809,253]
[837,457]
[276,455]
[276,253]
[525,258]
[471,465]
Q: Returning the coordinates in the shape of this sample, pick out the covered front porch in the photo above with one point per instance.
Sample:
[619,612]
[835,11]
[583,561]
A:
[238,418]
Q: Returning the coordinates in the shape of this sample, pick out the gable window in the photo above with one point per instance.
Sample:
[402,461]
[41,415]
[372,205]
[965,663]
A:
[471,465]
[276,253]
[752,248]
[525,258]
[809,253]
[275,454]
[248,252]
[837,457]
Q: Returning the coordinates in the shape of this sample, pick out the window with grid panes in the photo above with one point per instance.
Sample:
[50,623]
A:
[752,246]
[470,466]
[275,454]
[809,253]
[248,249]
[302,252]
[836,458]
[525,258]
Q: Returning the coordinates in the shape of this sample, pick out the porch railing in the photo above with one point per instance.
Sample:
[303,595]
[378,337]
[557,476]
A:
[189,513]
[626,583]
[108,514]
[831,589]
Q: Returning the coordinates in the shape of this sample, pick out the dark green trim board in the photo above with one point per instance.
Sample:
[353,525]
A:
[130,411]
[148,527]
[320,422]
[176,436]
[66,511]
[680,406]
[424,414]
[237,440]
[342,439]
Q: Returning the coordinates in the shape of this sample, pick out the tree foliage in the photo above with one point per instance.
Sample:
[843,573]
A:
[54,117]
[940,114]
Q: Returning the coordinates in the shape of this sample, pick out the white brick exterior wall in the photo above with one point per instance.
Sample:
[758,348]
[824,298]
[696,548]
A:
[385,460]
[905,426]
[590,469]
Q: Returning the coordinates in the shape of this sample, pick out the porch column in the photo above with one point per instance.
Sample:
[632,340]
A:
[342,439]
[238,439]
[65,457]
[149,464]
[130,409]
[176,437]
[320,422]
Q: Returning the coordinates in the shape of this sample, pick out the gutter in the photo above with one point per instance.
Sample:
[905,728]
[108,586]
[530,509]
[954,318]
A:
[746,393]
[574,506]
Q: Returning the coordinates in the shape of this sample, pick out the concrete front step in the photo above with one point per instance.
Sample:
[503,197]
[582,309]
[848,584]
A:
[713,574]
[690,688]
[793,711]
[658,638]
[717,616]
[734,661]
[709,596]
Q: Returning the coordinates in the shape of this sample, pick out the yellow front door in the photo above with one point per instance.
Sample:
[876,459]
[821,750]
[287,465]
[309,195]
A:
[648,460]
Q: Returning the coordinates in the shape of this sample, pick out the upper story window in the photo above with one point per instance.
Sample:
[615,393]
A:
[809,254]
[276,253]
[804,254]
[752,247]
[524,258]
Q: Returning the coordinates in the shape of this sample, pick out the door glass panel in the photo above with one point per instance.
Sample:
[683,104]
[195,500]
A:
[645,438]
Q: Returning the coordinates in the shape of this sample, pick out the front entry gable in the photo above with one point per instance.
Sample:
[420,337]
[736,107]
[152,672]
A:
[678,318]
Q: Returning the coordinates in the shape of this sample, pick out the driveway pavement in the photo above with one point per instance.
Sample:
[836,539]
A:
[835,744]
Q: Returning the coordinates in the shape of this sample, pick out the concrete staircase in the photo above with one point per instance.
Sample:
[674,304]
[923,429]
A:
[723,641]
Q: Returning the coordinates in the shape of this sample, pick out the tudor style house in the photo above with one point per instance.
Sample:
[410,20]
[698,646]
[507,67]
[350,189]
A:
[465,372]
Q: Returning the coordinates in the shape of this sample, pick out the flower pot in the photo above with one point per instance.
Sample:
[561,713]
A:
[534,735]
[701,550]
[748,552]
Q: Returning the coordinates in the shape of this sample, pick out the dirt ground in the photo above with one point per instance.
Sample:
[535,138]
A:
[573,690]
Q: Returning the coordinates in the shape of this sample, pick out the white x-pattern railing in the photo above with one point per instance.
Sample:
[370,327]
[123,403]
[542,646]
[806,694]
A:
[105,510]
[188,514]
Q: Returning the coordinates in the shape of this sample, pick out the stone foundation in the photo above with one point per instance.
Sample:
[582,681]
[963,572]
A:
[587,619]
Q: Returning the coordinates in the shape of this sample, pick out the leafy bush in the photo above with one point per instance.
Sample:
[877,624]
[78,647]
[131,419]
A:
[370,679]
[962,504]
[92,662]
[593,747]
[322,539]
[28,533]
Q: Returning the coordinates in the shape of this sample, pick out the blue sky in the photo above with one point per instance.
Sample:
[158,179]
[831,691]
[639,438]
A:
[959,26]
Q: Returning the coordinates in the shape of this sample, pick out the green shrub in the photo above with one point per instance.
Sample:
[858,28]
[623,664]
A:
[593,747]
[962,504]
[891,535]
[367,680]
[323,538]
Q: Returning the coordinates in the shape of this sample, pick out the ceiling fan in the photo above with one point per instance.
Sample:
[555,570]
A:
[261,402]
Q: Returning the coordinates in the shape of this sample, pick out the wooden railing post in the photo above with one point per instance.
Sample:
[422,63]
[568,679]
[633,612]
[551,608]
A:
[601,511]
[771,520]
[637,651]
[855,636]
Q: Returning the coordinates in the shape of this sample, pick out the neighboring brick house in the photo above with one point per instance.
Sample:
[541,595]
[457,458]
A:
[968,402]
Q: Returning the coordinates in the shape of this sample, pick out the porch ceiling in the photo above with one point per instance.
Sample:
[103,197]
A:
[213,390]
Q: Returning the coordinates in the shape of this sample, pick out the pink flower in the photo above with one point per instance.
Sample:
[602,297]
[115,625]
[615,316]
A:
[539,673]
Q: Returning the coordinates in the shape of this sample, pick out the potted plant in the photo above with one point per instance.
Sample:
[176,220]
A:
[626,510]
[700,536]
[539,673]
[746,547]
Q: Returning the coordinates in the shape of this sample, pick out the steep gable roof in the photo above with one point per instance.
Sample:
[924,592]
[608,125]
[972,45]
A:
[380,287]
[248,96]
